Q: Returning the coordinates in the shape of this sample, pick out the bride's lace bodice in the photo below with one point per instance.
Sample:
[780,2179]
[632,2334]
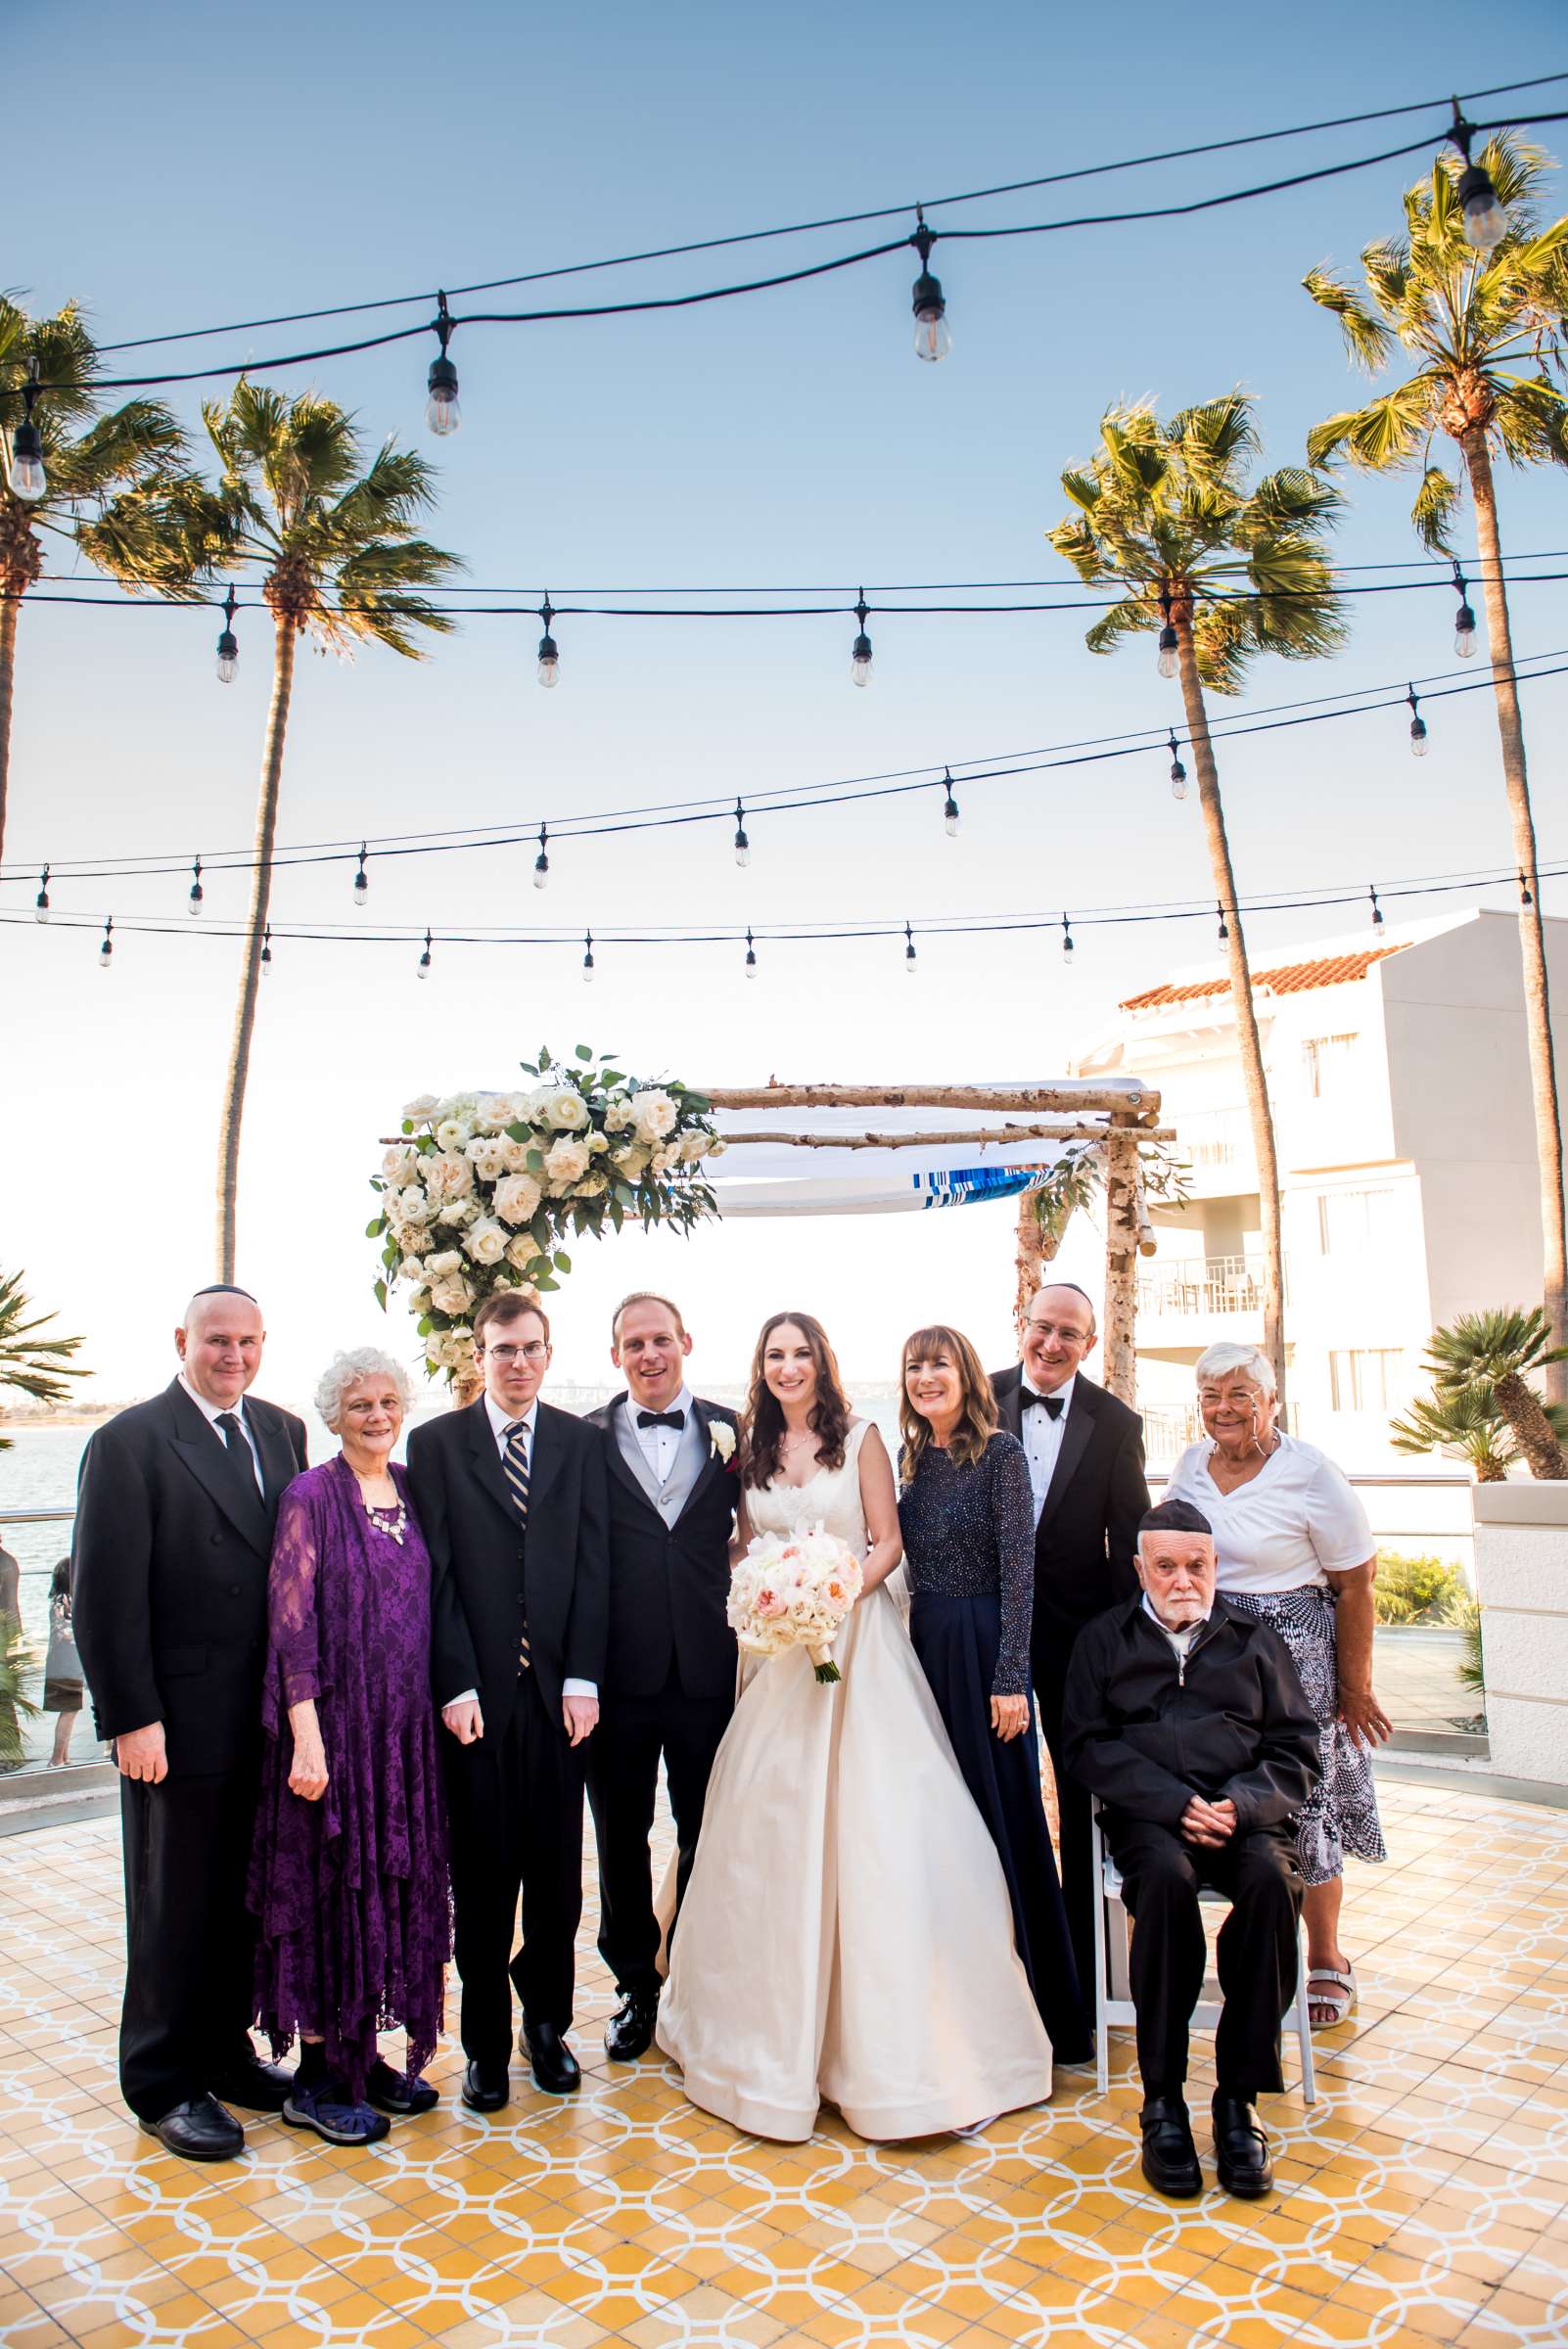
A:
[830,1497]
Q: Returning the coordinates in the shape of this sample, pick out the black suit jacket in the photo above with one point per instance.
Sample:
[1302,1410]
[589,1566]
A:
[668,1585]
[485,1569]
[169,1563]
[1086,1537]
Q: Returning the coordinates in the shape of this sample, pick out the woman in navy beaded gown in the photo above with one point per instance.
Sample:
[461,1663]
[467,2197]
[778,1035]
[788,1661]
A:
[968,1524]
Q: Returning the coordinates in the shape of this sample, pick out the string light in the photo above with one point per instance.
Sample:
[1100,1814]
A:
[197,894]
[743,846]
[587,958]
[933,334]
[424,961]
[949,805]
[1418,741]
[1169,660]
[29,480]
[860,649]
[1378,911]
[911,960]
[1525,899]
[1464,618]
[1179,774]
[750,956]
[361,882]
[549,650]
[443,413]
[541,862]
[266,951]
[40,903]
[1486,222]
[1224,933]
[228,644]
[1067,941]
[105,952]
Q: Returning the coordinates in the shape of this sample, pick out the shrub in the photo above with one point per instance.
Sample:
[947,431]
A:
[1418,1590]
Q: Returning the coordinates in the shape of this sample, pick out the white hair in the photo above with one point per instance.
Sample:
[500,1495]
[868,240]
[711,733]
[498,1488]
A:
[345,1370]
[1220,1359]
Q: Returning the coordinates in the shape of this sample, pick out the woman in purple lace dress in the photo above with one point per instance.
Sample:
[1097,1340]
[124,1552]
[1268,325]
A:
[348,1872]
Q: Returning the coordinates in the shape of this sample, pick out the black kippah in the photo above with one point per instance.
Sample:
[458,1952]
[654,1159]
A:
[221,1288]
[1175,1517]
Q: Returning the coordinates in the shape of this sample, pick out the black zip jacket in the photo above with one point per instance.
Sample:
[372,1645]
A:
[1146,1733]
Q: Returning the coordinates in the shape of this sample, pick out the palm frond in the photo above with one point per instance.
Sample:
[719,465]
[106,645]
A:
[1120,621]
[1389,432]
[1366,339]
[1437,502]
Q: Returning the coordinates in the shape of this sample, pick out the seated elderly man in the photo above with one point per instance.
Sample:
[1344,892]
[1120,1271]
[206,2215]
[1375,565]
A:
[1187,1717]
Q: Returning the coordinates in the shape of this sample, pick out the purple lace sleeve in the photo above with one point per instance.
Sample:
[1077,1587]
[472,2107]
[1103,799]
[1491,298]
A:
[291,1598]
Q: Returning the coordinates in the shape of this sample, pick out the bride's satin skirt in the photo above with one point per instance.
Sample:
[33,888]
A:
[846,1933]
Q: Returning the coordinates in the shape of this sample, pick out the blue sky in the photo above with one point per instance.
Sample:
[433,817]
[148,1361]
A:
[219,167]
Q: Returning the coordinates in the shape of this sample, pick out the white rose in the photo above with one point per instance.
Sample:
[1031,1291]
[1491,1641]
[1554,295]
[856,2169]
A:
[448,1177]
[487,1241]
[565,1162]
[631,1160]
[716,1145]
[462,1106]
[399,1165]
[452,1133]
[597,1143]
[618,1116]
[493,1111]
[566,1110]
[457,1212]
[515,1155]
[412,1238]
[449,1260]
[419,1294]
[654,1114]
[521,1251]
[664,1160]
[451,1295]
[411,1205]
[517,1199]
[694,1146]
[487,1156]
[419,1111]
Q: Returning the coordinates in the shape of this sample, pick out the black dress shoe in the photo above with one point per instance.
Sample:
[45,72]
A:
[1241,2149]
[486,2086]
[199,2130]
[1170,2156]
[629,2031]
[555,2067]
[259,2086]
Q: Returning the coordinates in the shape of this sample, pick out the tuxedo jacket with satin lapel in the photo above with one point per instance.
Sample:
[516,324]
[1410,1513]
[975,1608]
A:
[487,1570]
[668,1583]
[1087,1529]
[169,1561]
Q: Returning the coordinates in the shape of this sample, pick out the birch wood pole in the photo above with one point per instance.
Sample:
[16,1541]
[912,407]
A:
[1122,1237]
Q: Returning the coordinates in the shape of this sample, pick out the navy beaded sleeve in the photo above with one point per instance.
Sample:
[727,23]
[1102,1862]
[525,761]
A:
[969,1533]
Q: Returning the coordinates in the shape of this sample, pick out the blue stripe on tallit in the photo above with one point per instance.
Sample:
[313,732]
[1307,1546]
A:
[961,1186]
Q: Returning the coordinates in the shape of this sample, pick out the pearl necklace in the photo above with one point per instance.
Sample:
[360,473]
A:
[388,1517]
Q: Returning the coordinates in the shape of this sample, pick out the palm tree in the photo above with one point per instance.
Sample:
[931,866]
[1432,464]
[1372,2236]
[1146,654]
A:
[1481,328]
[1225,571]
[1466,1423]
[1491,1355]
[35,1367]
[341,561]
[99,467]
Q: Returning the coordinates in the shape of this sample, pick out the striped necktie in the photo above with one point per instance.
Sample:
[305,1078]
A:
[515,1468]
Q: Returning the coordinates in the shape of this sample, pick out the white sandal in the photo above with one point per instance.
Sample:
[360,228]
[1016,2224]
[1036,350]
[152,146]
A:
[1339,1996]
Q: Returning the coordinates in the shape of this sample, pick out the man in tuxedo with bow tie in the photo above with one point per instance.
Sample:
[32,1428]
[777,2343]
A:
[670,1677]
[175,1509]
[511,1500]
[1086,1469]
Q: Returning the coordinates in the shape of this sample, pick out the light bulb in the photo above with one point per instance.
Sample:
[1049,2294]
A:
[1170,652]
[751,957]
[1179,774]
[424,961]
[549,659]
[228,658]
[541,866]
[1465,631]
[105,952]
[1067,941]
[1486,222]
[1418,741]
[197,895]
[951,817]
[443,412]
[933,336]
[587,960]
[361,885]
[861,658]
[266,955]
[29,480]
[40,903]
[911,960]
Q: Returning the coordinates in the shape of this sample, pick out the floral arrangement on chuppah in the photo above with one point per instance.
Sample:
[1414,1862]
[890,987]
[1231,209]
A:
[485,1186]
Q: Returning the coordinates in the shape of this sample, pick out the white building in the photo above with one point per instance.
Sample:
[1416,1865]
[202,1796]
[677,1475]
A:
[1400,1083]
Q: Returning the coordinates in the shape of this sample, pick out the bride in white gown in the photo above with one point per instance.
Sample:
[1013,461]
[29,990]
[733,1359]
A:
[845,1934]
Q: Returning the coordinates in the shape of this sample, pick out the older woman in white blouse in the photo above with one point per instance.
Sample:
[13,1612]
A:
[1295,1549]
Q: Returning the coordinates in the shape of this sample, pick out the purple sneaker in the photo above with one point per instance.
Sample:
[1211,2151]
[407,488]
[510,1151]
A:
[332,2113]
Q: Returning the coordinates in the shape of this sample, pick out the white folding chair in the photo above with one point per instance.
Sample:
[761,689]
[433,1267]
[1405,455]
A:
[1113,2007]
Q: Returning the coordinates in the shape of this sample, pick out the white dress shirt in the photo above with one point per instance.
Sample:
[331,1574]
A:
[1042,1434]
[660,1446]
[500,1423]
[210,1413]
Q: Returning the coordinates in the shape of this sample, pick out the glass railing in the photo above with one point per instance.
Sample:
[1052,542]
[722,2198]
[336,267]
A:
[51,1726]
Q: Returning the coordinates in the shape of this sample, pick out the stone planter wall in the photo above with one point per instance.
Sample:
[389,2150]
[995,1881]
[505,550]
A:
[1521,1578]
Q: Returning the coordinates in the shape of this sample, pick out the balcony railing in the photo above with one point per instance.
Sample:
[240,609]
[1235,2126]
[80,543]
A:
[1205,1285]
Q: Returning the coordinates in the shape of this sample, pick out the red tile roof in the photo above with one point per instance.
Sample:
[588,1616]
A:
[1284,978]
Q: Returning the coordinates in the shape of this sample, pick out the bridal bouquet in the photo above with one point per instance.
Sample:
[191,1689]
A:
[794,1590]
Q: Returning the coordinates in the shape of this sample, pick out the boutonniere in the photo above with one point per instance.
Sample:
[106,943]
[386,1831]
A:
[722,1438]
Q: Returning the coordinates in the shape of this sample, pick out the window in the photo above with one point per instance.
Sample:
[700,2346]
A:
[1325,1057]
[1352,1220]
[1368,1380]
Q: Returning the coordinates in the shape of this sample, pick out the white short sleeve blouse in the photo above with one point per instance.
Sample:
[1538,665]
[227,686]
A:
[1297,1522]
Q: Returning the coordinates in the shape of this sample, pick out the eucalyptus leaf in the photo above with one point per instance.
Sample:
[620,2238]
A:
[562,1262]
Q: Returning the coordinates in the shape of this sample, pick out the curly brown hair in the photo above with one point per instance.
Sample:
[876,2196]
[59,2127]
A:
[762,1421]
[978,1416]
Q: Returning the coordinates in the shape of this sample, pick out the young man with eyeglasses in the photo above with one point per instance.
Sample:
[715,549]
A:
[512,1498]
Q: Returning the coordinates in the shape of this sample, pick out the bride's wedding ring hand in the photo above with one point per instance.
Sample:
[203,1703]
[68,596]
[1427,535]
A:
[1009,1717]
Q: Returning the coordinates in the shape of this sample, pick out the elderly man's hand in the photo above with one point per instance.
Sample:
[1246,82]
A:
[141,1754]
[1211,1824]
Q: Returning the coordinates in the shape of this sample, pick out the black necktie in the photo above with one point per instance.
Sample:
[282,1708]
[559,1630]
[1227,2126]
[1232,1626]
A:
[1053,1406]
[235,1444]
[675,1420]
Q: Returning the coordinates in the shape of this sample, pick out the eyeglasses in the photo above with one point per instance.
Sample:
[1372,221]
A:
[1061,1329]
[533,1352]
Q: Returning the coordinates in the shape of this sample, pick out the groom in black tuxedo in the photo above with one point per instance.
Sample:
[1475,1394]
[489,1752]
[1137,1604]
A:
[1085,1466]
[511,1498]
[670,1676]
[175,1509]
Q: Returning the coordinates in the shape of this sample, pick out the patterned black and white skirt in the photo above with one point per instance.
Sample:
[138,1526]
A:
[1341,1815]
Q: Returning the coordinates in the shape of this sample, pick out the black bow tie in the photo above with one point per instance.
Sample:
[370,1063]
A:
[675,1420]
[1053,1406]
